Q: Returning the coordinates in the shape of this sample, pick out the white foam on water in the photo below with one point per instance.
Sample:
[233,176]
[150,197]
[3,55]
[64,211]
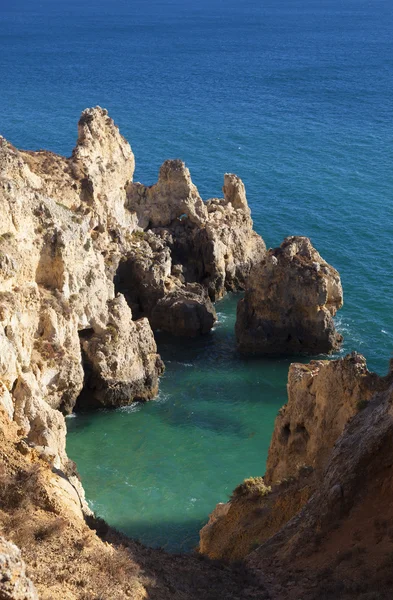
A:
[71,416]
[134,407]
[161,398]
[386,333]
[222,317]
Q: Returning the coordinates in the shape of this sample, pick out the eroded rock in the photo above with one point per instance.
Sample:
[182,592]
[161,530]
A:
[322,398]
[14,583]
[122,360]
[173,196]
[291,298]
[63,228]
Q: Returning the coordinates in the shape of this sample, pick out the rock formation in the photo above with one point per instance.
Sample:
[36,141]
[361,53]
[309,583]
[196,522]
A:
[341,541]
[156,288]
[121,361]
[212,244]
[14,583]
[291,298]
[324,399]
[71,242]
[60,224]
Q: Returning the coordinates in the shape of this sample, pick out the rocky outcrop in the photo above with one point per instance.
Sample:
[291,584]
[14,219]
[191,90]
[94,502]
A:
[237,527]
[156,288]
[291,298]
[341,539]
[122,363]
[324,398]
[172,197]
[63,228]
[187,311]
[212,244]
[14,583]
[71,238]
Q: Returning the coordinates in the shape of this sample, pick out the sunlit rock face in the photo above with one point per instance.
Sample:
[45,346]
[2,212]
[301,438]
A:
[291,298]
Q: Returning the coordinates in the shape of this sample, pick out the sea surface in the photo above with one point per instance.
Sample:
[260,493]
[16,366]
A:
[294,96]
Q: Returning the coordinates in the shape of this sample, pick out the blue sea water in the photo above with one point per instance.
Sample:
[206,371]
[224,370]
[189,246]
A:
[294,96]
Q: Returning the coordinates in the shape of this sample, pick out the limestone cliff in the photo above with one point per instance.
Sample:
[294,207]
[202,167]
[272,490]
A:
[70,244]
[291,298]
[341,544]
[322,397]
[327,404]
[60,220]
[212,244]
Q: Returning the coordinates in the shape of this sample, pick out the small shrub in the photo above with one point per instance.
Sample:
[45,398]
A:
[251,487]
[139,235]
[56,527]
[87,244]
[7,236]
[361,405]
[113,332]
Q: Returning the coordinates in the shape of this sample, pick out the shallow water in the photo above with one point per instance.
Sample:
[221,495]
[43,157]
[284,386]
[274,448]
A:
[296,98]
[156,470]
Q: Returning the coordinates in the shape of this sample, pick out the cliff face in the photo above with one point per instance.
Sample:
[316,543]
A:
[314,476]
[70,245]
[56,280]
[341,542]
[291,297]
[322,397]
[70,241]
[210,244]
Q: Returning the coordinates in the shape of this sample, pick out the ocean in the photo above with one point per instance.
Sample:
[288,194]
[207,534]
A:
[295,97]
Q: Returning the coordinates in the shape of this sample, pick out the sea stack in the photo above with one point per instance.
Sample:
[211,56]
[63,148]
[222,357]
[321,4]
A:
[291,298]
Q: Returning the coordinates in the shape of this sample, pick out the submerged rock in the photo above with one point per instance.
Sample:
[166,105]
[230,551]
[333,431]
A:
[291,298]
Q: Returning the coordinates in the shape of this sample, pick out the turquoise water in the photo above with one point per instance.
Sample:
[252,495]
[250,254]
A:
[296,97]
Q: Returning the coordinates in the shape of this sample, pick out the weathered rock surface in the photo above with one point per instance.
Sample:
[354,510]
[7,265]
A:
[212,244]
[187,311]
[291,298]
[70,239]
[341,539]
[14,583]
[324,398]
[156,289]
[122,360]
[63,228]
[173,196]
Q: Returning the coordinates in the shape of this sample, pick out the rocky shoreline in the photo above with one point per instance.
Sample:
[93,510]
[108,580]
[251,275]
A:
[91,263]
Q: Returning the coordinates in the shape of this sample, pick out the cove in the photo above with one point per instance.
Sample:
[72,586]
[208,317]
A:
[156,470]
